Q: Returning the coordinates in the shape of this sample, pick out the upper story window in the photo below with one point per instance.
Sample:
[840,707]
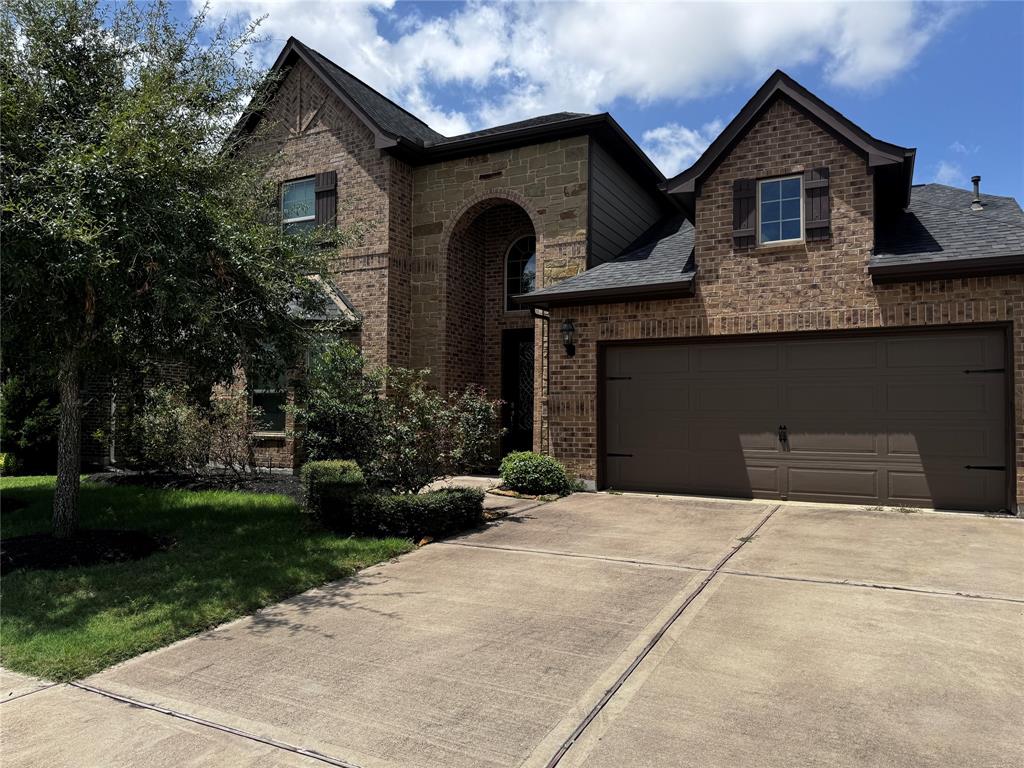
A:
[780,208]
[298,205]
[520,269]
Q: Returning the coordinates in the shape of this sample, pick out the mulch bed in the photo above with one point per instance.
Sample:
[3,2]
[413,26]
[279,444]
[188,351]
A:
[96,546]
[262,482]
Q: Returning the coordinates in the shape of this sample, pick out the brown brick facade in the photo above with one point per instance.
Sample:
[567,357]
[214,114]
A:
[810,287]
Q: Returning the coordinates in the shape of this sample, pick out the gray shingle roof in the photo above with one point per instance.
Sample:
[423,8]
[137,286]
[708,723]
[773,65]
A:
[533,122]
[388,116]
[336,307]
[397,121]
[940,227]
[661,258]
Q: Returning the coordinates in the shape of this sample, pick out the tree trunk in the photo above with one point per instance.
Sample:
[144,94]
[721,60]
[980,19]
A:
[69,447]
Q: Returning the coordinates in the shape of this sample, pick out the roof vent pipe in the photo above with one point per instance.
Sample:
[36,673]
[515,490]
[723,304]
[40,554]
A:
[976,202]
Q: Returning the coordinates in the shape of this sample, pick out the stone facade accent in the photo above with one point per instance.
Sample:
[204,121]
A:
[821,286]
[547,182]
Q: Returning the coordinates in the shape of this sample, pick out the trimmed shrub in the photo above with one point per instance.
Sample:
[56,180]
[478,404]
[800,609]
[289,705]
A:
[168,433]
[535,474]
[415,515]
[8,464]
[332,490]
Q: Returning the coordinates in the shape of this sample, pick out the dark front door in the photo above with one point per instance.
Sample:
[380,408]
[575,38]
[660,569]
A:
[914,419]
[517,389]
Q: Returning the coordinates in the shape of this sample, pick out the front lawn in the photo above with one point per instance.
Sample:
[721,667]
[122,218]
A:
[233,552]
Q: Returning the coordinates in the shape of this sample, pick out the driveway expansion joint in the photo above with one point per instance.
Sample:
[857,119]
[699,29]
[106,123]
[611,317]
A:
[873,585]
[608,694]
[29,693]
[312,754]
[576,555]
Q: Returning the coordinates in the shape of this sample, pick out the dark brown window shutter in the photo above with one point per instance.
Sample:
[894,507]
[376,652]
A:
[326,186]
[744,212]
[817,211]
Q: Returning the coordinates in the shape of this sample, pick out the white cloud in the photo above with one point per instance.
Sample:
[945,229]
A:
[509,61]
[949,173]
[674,147]
[963,149]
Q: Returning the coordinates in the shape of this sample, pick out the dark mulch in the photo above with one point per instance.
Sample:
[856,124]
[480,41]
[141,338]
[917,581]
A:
[94,546]
[263,482]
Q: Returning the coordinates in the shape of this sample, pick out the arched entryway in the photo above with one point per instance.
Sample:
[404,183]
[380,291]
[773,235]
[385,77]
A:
[490,255]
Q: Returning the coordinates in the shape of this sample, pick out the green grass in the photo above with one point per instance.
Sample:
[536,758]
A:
[233,553]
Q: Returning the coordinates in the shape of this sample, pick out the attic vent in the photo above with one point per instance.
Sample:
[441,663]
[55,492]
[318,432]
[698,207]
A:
[976,202]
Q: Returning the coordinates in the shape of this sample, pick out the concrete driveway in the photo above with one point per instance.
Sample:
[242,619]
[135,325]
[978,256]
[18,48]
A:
[599,630]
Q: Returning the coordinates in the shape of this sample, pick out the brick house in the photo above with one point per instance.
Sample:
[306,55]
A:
[791,317]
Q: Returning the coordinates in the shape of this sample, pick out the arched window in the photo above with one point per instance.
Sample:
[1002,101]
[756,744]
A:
[520,269]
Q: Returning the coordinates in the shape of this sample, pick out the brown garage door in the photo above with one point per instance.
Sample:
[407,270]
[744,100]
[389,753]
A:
[905,419]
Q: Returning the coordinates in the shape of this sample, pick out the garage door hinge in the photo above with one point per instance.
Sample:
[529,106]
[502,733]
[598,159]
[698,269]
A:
[618,378]
[621,455]
[990,467]
[985,370]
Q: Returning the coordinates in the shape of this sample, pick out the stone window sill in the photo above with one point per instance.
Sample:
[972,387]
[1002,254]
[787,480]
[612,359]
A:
[270,435]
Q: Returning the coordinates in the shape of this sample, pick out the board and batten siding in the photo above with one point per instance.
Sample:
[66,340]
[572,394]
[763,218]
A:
[620,208]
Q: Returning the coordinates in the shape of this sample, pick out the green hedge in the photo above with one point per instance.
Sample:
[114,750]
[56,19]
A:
[337,494]
[331,489]
[416,515]
[535,474]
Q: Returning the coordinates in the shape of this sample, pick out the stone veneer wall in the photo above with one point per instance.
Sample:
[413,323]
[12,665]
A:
[811,287]
[547,181]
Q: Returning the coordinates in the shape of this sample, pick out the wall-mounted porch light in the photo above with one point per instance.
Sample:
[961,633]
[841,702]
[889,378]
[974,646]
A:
[568,337]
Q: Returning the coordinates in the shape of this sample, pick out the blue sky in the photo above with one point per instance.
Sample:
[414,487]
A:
[947,78]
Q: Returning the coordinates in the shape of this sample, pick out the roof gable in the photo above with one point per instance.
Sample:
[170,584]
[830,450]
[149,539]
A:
[877,153]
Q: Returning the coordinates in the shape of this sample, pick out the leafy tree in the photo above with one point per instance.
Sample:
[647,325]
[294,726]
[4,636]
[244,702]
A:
[135,222]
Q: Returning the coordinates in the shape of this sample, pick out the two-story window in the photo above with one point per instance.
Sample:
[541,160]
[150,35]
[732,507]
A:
[298,205]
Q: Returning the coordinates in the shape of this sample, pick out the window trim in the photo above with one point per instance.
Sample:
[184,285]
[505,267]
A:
[757,203]
[298,219]
[504,268]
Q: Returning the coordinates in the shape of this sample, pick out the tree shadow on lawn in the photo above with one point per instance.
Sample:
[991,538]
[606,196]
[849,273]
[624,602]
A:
[233,553]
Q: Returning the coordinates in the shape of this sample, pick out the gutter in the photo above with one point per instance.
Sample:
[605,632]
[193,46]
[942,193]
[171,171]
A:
[676,289]
[982,266]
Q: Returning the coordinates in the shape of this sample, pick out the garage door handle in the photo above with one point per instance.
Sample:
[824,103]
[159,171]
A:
[621,455]
[783,434]
[989,467]
[985,370]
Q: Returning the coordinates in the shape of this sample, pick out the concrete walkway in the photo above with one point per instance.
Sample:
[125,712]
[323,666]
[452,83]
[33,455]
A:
[599,630]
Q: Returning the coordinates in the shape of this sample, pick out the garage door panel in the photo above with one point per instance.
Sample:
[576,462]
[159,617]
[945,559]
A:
[952,488]
[826,482]
[835,442]
[832,397]
[967,442]
[830,355]
[731,435]
[728,397]
[939,397]
[963,350]
[870,419]
[742,357]
[649,360]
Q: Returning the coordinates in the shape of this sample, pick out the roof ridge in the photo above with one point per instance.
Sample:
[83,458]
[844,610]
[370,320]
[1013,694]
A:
[976,214]
[964,190]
